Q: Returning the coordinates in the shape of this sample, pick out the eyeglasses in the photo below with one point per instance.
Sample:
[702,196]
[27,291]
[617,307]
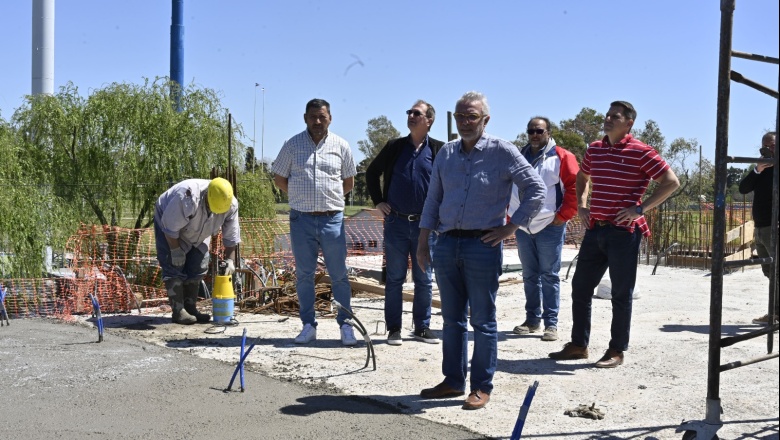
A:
[468,117]
[532,131]
[414,112]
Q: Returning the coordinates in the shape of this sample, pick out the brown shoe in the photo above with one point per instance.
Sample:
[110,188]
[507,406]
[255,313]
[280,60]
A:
[570,352]
[611,359]
[441,391]
[477,399]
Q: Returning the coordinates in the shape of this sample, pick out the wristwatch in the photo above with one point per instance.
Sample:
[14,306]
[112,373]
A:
[639,209]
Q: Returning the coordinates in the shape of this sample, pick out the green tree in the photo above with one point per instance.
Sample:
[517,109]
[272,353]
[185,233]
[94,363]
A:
[588,125]
[379,131]
[651,135]
[254,191]
[115,151]
[31,216]
[734,175]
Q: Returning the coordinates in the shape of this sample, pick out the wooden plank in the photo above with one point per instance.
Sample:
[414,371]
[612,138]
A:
[745,232]
[744,254]
[376,289]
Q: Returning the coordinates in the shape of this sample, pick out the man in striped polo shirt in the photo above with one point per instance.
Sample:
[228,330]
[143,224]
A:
[620,167]
[316,169]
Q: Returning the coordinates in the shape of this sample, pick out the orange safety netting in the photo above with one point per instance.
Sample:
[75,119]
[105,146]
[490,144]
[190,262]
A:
[119,267]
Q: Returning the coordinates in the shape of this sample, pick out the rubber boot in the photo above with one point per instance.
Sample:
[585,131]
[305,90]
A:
[176,298]
[190,299]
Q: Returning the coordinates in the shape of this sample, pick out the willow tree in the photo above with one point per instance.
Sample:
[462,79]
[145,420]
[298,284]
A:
[31,216]
[113,152]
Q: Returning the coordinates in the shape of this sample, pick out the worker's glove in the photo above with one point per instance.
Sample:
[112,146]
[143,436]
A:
[230,267]
[178,257]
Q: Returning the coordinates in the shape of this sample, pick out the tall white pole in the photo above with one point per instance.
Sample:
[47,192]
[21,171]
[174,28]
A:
[254,131]
[42,47]
[262,134]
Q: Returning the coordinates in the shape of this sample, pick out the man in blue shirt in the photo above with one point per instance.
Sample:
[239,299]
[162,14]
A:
[466,204]
[405,164]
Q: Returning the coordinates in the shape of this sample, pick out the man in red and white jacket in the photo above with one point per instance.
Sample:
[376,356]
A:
[541,242]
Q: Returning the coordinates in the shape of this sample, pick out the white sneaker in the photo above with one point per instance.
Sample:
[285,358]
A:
[308,334]
[348,335]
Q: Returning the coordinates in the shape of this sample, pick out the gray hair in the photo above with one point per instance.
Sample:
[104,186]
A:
[473,96]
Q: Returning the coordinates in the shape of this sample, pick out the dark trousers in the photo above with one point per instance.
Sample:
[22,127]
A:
[616,249]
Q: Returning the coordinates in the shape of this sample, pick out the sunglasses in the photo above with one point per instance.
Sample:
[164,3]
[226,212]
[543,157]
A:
[532,131]
[415,113]
[468,117]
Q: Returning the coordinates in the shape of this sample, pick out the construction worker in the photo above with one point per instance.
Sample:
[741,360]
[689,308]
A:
[185,218]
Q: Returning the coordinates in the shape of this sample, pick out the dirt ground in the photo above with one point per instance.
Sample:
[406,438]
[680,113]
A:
[662,383]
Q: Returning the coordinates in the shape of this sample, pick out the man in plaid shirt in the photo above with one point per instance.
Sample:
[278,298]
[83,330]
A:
[316,170]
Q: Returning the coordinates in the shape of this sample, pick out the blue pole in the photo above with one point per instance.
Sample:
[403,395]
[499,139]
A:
[243,347]
[529,396]
[177,50]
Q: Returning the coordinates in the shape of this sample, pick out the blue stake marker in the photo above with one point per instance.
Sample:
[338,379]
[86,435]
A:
[98,315]
[243,345]
[240,364]
[529,396]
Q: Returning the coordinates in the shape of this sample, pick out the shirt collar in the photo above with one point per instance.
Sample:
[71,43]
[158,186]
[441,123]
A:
[621,143]
[324,138]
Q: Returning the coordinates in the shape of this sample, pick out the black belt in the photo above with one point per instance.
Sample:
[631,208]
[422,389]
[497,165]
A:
[466,233]
[601,223]
[410,217]
[321,213]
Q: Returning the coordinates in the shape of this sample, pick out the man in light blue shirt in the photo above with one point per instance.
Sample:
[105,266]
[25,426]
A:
[466,204]
[316,169]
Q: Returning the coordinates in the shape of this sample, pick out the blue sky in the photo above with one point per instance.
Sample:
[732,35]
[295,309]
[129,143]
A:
[547,58]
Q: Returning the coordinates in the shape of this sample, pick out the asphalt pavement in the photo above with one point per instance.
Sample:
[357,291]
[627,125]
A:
[58,382]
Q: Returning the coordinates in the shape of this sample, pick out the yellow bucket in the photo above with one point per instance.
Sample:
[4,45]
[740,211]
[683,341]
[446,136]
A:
[223,287]
[222,299]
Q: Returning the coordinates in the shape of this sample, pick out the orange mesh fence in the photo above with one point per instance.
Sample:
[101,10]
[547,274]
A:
[120,266]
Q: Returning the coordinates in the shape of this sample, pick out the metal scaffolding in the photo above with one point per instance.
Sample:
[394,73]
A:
[706,429]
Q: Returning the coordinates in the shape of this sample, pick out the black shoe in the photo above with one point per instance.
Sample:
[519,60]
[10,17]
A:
[426,335]
[394,338]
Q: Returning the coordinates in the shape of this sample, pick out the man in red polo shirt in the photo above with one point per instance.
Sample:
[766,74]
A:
[620,167]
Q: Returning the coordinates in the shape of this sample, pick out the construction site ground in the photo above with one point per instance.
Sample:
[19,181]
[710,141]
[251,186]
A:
[662,383]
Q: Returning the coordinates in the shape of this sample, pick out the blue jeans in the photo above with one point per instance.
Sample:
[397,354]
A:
[616,249]
[401,237]
[195,267]
[540,255]
[308,234]
[467,272]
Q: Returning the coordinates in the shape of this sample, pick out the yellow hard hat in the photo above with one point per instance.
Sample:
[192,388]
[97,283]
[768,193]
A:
[220,195]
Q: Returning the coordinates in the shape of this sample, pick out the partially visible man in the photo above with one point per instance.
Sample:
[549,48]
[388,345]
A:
[540,243]
[316,169]
[470,188]
[759,181]
[620,168]
[185,218]
[405,165]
